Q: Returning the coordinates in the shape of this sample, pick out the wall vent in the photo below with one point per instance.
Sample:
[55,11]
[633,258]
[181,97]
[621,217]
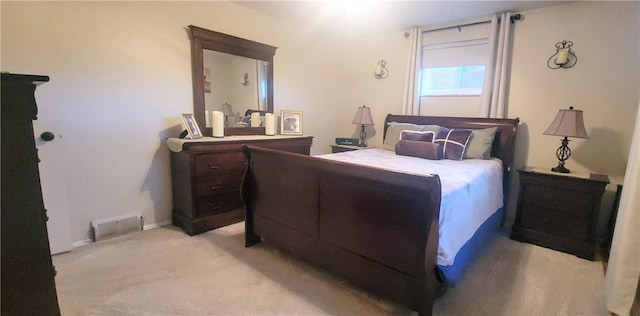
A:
[116,226]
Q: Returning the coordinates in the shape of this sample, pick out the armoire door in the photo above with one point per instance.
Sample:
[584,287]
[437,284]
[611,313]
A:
[52,172]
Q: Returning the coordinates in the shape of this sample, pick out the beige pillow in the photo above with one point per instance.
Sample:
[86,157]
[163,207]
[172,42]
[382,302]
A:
[480,144]
[394,129]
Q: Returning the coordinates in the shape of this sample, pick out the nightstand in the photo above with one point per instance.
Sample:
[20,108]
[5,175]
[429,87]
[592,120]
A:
[343,148]
[559,211]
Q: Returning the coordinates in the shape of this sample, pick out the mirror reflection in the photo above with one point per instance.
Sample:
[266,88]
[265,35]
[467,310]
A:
[233,85]
[233,75]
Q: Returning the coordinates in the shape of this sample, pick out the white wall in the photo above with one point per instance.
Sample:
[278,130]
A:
[121,75]
[604,84]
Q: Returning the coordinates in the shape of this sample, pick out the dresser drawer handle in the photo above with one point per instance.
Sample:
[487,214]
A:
[216,186]
[556,205]
[215,206]
[212,166]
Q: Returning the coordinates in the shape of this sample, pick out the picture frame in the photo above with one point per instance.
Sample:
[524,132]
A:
[290,122]
[190,124]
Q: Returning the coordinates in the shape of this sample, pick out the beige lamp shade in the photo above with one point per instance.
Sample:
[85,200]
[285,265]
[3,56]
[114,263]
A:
[228,110]
[363,116]
[568,123]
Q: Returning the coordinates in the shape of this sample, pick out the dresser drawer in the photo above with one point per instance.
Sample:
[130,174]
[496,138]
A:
[219,162]
[219,183]
[206,178]
[219,203]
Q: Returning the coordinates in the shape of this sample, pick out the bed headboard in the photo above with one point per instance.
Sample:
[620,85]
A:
[503,144]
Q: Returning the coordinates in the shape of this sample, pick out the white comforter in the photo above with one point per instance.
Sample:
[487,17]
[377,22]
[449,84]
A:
[471,191]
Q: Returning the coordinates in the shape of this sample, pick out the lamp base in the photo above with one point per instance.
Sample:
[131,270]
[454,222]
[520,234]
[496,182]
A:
[363,137]
[561,168]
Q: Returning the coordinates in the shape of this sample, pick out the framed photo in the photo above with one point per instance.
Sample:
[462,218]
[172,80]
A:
[191,126]
[290,122]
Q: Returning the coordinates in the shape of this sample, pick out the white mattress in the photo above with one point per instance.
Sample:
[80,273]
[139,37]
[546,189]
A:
[471,191]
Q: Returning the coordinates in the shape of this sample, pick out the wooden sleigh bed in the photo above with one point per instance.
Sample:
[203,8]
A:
[377,228]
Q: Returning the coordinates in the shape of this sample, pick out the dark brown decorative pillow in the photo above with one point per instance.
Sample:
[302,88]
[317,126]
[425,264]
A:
[453,141]
[422,136]
[420,149]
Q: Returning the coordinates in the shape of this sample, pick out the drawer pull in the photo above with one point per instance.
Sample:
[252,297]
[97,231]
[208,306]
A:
[212,166]
[215,206]
[216,186]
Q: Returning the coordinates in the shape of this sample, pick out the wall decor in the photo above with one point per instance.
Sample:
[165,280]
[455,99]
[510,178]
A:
[381,71]
[207,80]
[290,122]
[564,57]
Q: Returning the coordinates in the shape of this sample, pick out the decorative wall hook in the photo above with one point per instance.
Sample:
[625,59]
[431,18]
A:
[564,57]
[245,79]
[381,72]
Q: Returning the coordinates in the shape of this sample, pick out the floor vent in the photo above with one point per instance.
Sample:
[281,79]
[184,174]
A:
[116,226]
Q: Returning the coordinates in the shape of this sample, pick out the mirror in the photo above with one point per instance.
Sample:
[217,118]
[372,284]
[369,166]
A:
[230,74]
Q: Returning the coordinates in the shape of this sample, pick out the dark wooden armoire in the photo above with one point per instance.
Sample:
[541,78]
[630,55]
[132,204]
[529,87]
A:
[28,285]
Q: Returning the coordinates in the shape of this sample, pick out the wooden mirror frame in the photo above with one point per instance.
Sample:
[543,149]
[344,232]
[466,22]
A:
[219,42]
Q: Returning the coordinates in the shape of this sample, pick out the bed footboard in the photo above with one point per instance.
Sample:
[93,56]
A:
[377,228]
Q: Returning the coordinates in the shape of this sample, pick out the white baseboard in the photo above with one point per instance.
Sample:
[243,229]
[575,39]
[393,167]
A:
[156,225]
[85,242]
[81,243]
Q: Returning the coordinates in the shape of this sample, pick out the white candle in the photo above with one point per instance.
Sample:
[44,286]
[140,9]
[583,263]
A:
[255,119]
[217,118]
[563,56]
[269,124]
[207,118]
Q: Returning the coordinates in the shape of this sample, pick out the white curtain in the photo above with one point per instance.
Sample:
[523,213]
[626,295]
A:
[623,269]
[411,102]
[495,83]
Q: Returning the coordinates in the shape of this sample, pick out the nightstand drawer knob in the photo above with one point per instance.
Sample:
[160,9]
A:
[212,166]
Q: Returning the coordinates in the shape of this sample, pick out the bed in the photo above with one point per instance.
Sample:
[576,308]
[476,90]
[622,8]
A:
[376,225]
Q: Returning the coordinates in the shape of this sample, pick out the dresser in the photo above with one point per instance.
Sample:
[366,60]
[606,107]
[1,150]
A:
[28,285]
[207,175]
[559,211]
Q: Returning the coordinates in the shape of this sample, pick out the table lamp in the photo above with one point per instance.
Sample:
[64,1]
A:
[227,110]
[363,117]
[568,123]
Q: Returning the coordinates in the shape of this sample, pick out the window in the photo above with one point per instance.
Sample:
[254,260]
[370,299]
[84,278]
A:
[454,63]
[453,81]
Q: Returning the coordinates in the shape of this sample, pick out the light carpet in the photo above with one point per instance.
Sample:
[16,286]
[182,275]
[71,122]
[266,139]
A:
[164,271]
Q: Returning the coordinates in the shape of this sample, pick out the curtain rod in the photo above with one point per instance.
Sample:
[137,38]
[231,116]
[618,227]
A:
[515,17]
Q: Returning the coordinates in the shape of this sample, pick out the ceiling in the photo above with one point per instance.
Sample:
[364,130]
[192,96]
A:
[363,15]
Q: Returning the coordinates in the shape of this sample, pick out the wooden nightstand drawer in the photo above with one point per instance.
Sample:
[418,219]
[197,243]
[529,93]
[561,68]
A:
[555,223]
[344,148]
[559,211]
[570,203]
